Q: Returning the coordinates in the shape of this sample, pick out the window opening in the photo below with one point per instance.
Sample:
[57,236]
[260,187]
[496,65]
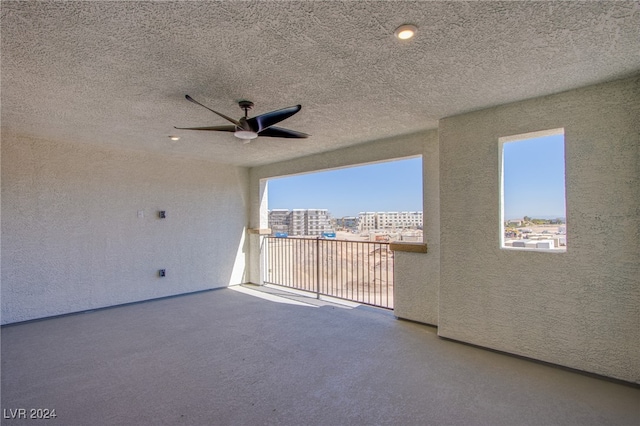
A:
[533,201]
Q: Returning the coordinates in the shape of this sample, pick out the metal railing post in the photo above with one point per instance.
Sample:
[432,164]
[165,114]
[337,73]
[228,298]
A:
[318,268]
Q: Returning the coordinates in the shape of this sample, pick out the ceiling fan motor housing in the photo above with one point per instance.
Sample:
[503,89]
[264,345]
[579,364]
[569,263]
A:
[245,105]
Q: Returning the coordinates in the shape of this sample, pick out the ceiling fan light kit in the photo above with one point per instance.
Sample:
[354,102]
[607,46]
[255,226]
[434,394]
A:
[246,136]
[247,128]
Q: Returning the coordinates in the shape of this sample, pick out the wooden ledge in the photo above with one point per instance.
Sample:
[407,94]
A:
[260,231]
[410,247]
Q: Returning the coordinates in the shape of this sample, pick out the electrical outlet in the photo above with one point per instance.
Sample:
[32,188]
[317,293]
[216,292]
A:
[162,272]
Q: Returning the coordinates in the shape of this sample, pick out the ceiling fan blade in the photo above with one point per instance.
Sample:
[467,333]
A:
[227,128]
[279,132]
[264,121]
[236,122]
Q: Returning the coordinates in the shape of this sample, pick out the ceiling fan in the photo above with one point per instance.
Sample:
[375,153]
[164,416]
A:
[250,128]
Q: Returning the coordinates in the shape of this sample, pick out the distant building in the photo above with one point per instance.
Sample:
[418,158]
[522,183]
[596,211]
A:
[389,221]
[317,222]
[279,221]
[366,221]
[298,222]
[349,223]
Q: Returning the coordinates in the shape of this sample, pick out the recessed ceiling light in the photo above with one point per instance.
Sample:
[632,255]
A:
[174,138]
[405,32]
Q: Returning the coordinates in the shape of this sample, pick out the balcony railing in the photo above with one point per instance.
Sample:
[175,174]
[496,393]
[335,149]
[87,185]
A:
[360,271]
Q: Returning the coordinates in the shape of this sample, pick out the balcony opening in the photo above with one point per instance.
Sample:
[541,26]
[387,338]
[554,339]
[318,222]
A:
[330,230]
[364,203]
[532,202]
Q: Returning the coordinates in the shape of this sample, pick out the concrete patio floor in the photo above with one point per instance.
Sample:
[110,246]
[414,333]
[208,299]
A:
[225,357]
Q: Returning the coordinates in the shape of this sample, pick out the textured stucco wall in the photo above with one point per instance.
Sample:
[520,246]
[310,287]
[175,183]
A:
[417,275]
[72,239]
[581,308]
[416,285]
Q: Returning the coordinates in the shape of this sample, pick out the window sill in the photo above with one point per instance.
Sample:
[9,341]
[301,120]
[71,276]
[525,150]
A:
[409,247]
[260,231]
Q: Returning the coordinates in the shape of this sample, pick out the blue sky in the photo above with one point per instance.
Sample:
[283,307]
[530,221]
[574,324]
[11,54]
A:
[389,186]
[534,184]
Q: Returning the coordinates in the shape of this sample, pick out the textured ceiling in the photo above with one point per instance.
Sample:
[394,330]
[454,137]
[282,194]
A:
[115,73]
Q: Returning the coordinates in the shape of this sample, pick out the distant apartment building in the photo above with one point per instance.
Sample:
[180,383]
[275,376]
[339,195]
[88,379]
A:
[318,221]
[348,222]
[389,221]
[297,222]
[279,221]
[366,221]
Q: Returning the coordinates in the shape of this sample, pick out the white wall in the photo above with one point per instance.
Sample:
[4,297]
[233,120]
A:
[416,286]
[417,275]
[581,308]
[72,239]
